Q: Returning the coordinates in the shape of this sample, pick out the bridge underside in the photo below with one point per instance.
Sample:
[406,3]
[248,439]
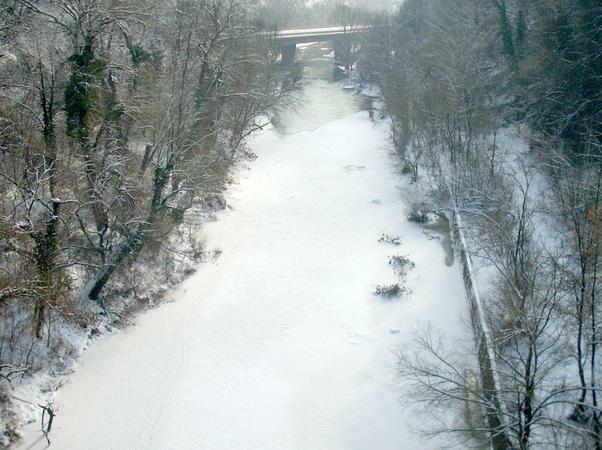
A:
[288,52]
[338,36]
[288,48]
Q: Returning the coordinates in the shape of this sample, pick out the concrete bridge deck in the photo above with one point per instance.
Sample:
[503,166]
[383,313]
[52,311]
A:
[304,35]
[288,39]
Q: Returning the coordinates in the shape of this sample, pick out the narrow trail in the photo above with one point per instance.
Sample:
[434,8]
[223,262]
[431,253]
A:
[279,344]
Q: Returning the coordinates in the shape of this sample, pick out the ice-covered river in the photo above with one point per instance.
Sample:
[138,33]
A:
[279,344]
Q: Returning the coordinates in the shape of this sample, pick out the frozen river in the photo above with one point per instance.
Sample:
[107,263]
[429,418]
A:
[279,344]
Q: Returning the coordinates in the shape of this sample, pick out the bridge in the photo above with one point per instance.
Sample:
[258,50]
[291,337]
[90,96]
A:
[288,39]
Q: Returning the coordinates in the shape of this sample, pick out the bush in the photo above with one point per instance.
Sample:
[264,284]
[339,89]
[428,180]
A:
[392,290]
[401,264]
[390,239]
[418,217]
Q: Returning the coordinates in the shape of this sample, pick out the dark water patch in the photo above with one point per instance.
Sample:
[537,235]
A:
[440,229]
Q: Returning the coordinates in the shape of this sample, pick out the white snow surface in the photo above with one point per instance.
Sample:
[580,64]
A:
[279,344]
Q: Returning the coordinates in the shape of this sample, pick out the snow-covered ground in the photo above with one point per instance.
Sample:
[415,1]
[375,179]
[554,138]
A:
[279,344]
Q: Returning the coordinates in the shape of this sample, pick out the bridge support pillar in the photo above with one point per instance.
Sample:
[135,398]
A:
[288,54]
[342,55]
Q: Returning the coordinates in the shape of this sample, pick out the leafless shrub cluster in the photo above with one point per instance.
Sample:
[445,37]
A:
[391,290]
[401,264]
[390,239]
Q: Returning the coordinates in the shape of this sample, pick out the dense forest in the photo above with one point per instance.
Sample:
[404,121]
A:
[460,78]
[121,123]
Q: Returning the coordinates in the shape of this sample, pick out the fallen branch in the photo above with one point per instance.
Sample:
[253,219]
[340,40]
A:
[46,427]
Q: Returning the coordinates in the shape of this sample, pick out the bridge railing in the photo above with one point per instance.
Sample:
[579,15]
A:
[320,32]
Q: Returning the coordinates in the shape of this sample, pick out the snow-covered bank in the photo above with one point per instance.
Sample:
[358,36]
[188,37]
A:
[279,344]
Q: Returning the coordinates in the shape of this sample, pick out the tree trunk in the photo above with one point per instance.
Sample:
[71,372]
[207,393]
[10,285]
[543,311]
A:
[130,250]
[45,255]
[46,242]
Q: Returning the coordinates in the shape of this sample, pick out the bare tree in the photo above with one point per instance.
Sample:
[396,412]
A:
[577,209]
